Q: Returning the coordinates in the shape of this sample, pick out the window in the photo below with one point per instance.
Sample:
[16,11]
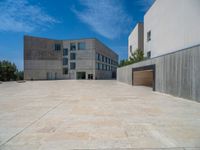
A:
[131,49]
[106,60]
[57,47]
[72,56]
[149,36]
[109,60]
[149,54]
[65,61]
[100,66]
[72,65]
[108,68]
[81,46]
[65,52]
[97,66]
[99,57]
[72,46]
[90,76]
[65,70]
[102,58]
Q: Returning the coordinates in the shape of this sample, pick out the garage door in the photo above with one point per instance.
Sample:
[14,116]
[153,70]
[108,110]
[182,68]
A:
[144,76]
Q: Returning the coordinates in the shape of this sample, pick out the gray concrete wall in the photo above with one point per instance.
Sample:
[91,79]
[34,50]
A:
[41,59]
[85,59]
[105,51]
[177,73]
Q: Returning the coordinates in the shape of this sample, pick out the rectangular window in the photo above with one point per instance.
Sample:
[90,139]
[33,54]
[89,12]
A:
[57,47]
[65,70]
[109,60]
[72,56]
[106,60]
[131,49]
[65,61]
[96,56]
[100,66]
[65,52]
[149,54]
[99,57]
[148,36]
[97,66]
[102,58]
[72,46]
[81,46]
[72,65]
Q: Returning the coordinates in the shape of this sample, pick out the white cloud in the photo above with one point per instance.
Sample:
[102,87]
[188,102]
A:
[106,17]
[21,16]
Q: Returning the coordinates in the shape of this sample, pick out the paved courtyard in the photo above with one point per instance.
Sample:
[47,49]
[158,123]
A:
[61,115]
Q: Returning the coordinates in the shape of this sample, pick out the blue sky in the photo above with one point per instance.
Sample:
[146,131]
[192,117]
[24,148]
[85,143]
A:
[111,21]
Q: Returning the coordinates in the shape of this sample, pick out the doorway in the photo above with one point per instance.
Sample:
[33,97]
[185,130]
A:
[144,76]
[81,75]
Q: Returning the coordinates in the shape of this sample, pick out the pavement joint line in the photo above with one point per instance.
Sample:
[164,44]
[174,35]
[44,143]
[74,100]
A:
[167,148]
[32,123]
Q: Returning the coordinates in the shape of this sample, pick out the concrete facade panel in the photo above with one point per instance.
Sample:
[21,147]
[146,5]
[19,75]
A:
[176,73]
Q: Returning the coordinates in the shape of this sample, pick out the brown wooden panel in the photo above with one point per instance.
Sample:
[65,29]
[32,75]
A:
[143,78]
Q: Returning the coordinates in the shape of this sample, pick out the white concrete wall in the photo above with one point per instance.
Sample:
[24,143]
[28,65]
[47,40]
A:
[174,25]
[133,40]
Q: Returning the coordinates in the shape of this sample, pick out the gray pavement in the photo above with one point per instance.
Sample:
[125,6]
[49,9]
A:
[60,115]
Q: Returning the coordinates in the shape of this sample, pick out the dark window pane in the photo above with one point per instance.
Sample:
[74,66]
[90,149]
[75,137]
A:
[72,46]
[65,61]
[72,65]
[81,46]
[72,56]
[57,47]
[65,52]
[149,54]
[65,70]
[149,36]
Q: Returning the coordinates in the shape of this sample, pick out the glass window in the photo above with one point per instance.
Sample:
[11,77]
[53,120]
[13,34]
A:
[109,60]
[99,57]
[72,56]
[97,66]
[149,36]
[131,49]
[100,66]
[102,58]
[57,47]
[81,46]
[65,52]
[149,54]
[72,65]
[72,46]
[65,70]
[65,61]
[96,56]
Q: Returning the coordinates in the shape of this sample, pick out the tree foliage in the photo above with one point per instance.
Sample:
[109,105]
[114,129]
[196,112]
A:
[137,56]
[9,72]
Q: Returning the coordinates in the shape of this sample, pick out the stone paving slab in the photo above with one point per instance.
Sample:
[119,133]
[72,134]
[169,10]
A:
[107,115]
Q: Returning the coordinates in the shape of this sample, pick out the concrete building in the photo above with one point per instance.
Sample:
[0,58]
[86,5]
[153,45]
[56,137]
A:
[172,44]
[135,39]
[46,59]
[171,25]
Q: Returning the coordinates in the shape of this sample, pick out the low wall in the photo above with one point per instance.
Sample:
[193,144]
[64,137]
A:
[177,73]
